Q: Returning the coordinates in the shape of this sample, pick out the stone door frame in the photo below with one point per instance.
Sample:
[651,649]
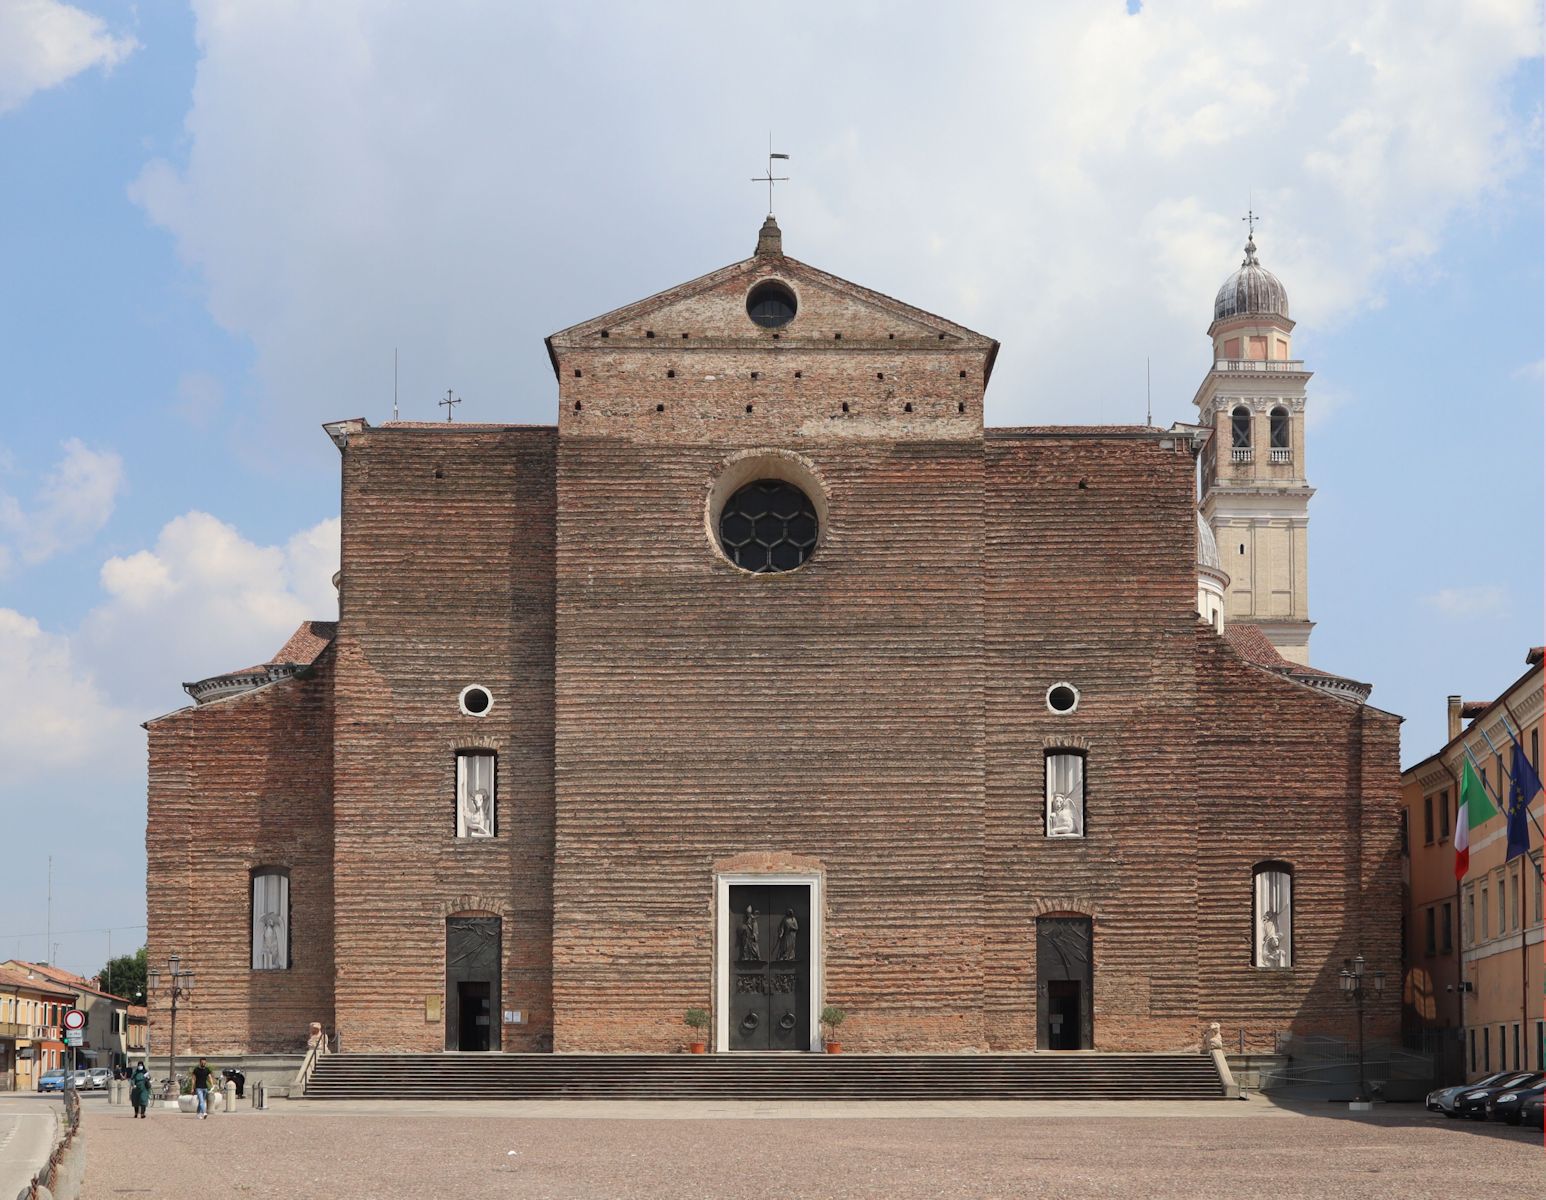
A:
[724,939]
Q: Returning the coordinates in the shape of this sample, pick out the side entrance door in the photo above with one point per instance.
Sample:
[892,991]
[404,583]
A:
[1064,979]
[770,976]
[472,983]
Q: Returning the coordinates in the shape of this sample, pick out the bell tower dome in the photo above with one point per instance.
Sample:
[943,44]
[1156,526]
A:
[1255,497]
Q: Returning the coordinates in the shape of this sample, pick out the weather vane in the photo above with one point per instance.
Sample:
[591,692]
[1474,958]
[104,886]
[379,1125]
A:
[449,404]
[770,179]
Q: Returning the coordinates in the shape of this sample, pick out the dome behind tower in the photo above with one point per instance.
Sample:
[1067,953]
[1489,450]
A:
[1251,290]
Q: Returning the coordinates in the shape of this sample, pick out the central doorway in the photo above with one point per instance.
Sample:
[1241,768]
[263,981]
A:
[768,958]
[1064,978]
[472,983]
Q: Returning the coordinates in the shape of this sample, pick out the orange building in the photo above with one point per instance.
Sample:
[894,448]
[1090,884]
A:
[31,1009]
[1473,951]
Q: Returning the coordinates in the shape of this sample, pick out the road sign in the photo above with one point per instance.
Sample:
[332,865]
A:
[73,1037]
[74,1019]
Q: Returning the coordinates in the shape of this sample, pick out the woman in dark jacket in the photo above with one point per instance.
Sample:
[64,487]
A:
[139,1089]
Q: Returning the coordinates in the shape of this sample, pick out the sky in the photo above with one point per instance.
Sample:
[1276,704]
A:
[220,222]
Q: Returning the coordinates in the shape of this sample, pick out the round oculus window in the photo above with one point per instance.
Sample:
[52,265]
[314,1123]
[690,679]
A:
[771,304]
[1062,697]
[475,701]
[769,525]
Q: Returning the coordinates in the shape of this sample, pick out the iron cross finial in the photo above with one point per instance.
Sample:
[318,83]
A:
[450,403]
[770,179]
[1250,220]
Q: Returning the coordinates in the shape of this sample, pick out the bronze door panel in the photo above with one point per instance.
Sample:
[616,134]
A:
[769,998]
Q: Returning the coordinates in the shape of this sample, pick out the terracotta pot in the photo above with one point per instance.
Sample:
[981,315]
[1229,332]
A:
[697,1048]
[834,1047]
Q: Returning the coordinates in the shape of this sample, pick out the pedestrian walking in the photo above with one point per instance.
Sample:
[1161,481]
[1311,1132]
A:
[201,1075]
[139,1090]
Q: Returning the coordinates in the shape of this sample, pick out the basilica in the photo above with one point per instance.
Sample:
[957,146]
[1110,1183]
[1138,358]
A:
[768,679]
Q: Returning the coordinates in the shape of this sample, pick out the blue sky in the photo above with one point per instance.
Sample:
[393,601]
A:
[222,220]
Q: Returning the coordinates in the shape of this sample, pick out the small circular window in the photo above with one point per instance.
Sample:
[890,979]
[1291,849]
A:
[1062,697]
[771,304]
[475,700]
[769,525]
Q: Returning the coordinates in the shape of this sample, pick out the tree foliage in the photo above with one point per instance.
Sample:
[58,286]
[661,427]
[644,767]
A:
[125,976]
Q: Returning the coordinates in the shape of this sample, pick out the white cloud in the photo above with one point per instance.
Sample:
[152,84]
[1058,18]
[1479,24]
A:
[1066,178]
[43,43]
[1469,603]
[205,600]
[53,715]
[71,504]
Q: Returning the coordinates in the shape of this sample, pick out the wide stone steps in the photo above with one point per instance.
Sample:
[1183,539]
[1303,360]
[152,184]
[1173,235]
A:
[764,1077]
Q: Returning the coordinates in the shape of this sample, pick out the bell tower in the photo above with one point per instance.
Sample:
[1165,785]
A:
[1255,497]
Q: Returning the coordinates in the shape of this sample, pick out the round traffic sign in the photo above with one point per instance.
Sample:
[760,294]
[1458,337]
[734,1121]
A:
[74,1019]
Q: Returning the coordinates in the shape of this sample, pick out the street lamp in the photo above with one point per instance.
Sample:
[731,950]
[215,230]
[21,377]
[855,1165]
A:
[1352,981]
[179,983]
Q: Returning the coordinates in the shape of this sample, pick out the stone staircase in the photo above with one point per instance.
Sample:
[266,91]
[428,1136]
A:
[1075,1076]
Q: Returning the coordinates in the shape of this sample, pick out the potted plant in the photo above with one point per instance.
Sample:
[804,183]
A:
[697,1020]
[831,1017]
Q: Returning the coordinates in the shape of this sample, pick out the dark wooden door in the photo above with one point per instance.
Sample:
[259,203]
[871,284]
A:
[472,983]
[1064,983]
[770,967]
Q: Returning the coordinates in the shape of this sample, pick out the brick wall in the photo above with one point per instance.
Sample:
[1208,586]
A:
[447,581]
[236,784]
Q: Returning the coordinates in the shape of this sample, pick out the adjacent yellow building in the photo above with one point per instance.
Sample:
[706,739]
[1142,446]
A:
[1474,978]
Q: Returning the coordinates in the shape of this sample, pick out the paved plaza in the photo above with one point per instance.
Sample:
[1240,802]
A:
[1189,1151]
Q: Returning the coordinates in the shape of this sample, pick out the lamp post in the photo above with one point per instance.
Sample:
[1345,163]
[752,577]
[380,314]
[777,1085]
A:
[179,983]
[1353,982]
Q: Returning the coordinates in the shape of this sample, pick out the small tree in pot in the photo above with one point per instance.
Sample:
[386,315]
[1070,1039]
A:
[697,1020]
[831,1017]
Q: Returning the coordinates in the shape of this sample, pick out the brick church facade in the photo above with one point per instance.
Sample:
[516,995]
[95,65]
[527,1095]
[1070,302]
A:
[769,679]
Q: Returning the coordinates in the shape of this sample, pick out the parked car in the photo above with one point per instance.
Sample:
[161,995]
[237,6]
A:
[100,1078]
[1443,1099]
[1473,1103]
[81,1080]
[52,1081]
[1505,1106]
[1532,1113]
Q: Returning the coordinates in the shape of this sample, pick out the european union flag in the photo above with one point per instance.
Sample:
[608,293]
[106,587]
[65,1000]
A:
[1523,783]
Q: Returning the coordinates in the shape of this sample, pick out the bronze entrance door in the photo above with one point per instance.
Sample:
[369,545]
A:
[1064,978]
[472,983]
[770,972]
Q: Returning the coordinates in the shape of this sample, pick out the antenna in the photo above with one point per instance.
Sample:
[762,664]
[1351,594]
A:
[48,938]
[1148,395]
[394,383]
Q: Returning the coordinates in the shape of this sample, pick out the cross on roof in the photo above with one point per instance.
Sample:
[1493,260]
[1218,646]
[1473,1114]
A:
[449,403]
[770,179]
[1250,220]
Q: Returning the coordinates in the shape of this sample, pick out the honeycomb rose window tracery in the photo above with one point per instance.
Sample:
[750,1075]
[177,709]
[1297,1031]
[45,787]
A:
[768,526]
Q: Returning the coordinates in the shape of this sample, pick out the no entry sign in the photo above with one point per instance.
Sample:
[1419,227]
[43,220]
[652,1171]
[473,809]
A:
[74,1019]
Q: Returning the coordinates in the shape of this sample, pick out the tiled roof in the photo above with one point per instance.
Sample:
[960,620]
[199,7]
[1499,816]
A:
[10,977]
[68,979]
[1253,645]
[307,642]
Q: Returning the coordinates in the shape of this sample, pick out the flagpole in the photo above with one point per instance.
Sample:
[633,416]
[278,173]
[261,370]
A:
[1465,1067]
[1497,795]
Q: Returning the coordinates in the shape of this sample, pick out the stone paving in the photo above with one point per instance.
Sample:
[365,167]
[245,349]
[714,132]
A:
[28,1124]
[385,1151]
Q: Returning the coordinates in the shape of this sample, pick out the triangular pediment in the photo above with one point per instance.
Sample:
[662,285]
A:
[711,311]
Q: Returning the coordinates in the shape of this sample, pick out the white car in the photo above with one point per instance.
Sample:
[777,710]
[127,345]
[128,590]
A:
[81,1080]
[100,1078]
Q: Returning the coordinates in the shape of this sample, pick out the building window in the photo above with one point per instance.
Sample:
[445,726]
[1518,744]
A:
[270,919]
[1279,428]
[1444,815]
[1272,903]
[1446,928]
[768,526]
[1518,1062]
[1486,914]
[1540,890]
[475,797]
[1470,917]
[1516,918]
[1064,794]
[1431,932]
[1540,1045]
[1062,698]
[1427,820]
[1240,429]
[1486,1049]
[1473,1051]
[1503,1048]
[1535,748]
[771,304]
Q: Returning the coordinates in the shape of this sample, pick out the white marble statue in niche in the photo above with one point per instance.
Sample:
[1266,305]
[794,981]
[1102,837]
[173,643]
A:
[1274,914]
[475,795]
[270,921]
[1065,795]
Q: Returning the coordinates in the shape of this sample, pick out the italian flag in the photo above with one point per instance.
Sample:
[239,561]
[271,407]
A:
[1474,808]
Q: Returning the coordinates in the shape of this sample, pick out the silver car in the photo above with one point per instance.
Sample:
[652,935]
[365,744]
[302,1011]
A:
[100,1078]
[81,1080]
